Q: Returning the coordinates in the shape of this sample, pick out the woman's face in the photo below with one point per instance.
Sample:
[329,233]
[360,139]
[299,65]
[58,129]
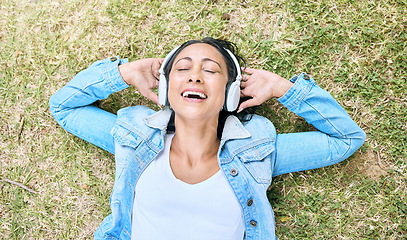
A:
[197,82]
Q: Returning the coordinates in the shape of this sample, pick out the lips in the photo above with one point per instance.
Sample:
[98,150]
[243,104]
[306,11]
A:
[194,94]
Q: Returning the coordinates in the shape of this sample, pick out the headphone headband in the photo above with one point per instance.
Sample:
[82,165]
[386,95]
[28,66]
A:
[237,65]
[167,59]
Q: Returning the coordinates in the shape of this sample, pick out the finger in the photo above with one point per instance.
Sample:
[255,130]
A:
[156,75]
[160,62]
[243,93]
[153,83]
[155,69]
[245,78]
[248,70]
[156,72]
[246,92]
[243,84]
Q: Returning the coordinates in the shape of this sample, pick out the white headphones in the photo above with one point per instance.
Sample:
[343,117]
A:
[232,96]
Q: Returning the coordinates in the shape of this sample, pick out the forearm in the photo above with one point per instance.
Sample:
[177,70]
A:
[96,82]
[320,109]
[71,105]
[338,137]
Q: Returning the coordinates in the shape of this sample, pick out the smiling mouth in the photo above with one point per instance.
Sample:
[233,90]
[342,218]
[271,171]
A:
[194,95]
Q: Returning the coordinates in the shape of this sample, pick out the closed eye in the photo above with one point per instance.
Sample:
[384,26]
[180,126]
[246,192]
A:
[210,70]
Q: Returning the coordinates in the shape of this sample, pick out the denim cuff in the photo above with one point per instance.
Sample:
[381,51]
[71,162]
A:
[302,86]
[112,75]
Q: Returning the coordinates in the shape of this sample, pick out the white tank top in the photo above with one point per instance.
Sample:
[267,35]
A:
[168,208]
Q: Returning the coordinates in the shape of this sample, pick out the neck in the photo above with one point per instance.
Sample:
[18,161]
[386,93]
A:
[196,140]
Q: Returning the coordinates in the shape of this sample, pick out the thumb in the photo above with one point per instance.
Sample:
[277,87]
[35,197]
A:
[248,103]
[152,96]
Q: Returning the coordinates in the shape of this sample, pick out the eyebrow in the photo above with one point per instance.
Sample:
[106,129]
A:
[205,60]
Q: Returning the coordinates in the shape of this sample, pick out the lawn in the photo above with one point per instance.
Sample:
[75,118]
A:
[356,50]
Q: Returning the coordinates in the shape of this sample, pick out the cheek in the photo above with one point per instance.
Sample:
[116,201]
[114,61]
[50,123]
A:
[220,93]
[173,82]
[170,90]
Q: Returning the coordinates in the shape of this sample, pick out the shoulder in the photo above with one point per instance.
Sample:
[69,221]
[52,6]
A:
[134,113]
[259,127]
[132,120]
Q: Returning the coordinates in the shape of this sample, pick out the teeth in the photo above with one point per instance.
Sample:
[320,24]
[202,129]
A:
[187,93]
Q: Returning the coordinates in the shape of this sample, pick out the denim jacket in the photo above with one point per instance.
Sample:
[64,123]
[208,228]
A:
[249,154]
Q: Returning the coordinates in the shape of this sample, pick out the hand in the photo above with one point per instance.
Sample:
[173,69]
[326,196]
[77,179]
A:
[143,75]
[261,85]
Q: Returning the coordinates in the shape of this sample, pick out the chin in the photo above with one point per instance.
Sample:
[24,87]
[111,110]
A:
[193,113]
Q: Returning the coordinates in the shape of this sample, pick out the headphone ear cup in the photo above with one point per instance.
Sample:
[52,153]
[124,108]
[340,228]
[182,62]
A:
[162,90]
[232,96]
[162,84]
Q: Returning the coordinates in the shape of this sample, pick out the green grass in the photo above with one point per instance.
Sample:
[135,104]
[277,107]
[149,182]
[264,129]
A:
[354,49]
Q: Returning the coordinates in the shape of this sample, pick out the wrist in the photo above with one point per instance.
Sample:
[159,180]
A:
[124,72]
[282,87]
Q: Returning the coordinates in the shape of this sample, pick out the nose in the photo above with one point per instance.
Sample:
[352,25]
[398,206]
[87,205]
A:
[194,80]
[196,76]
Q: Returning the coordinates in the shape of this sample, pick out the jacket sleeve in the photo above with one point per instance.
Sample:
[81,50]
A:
[338,136]
[72,105]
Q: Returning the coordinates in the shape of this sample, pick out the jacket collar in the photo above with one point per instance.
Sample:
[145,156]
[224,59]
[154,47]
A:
[159,119]
[233,128]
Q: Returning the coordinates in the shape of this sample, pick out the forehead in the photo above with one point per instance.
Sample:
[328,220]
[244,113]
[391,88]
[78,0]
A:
[199,51]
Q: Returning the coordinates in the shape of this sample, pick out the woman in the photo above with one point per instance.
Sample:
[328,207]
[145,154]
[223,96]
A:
[198,169]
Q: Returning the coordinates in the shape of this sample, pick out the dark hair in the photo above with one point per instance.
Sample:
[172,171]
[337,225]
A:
[221,45]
